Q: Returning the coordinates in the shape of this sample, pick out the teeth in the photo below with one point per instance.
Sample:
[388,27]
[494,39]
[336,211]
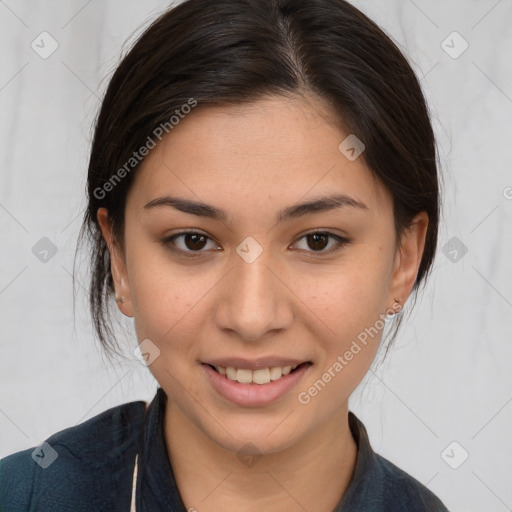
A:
[275,373]
[261,376]
[244,376]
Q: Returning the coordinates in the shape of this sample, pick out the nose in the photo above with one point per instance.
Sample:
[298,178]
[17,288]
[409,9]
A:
[253,299]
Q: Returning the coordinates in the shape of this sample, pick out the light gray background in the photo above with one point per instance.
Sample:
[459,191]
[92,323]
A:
[448,377]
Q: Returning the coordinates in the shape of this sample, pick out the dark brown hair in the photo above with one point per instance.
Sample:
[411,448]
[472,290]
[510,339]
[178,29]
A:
[238,51]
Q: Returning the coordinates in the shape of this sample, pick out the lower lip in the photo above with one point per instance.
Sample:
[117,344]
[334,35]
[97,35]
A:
[254,395]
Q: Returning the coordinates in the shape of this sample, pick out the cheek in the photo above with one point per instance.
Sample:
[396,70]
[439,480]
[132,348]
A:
[163,295]
[164,308]
[167,311]
[348,298]
[349,306]
[349,302]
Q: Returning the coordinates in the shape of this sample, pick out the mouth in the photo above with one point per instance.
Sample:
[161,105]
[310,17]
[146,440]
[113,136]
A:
[260,376]
[255,383]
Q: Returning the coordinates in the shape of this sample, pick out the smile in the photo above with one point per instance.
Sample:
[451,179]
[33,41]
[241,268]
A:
[256,387]
[260,376]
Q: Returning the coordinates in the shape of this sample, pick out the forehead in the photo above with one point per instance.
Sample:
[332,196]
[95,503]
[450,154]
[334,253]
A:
[274,149]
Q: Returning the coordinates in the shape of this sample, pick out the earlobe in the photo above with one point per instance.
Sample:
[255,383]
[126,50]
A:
[408,259]
[117,264]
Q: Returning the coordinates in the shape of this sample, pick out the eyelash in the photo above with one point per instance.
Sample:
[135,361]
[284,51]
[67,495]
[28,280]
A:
[168,242]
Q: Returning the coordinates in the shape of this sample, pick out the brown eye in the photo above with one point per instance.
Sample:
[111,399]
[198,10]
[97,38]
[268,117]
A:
[317,241]
[194,241]
[188,243]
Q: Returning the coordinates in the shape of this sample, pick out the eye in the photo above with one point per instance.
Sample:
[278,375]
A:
[318,240]
[189,242]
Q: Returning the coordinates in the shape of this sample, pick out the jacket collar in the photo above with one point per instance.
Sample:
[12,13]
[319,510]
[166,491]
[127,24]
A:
[156,486]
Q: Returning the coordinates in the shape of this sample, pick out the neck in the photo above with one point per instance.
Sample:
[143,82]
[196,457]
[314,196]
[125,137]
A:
[310,475]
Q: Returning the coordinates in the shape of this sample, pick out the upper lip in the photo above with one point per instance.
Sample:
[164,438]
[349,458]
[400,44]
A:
[254,364]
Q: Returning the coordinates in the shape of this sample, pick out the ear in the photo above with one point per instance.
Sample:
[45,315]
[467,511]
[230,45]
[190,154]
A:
[407,261]
[117,263]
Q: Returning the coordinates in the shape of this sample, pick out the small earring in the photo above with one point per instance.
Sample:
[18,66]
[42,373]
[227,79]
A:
[399,301]
[120,299]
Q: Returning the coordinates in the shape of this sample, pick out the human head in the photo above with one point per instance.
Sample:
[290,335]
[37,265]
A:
[236,53]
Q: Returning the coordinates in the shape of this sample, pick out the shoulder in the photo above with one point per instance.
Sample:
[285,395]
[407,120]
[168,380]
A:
[401,488]
[63,471]
[379,485]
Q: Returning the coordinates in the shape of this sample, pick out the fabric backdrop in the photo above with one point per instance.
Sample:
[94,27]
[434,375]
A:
[440,406]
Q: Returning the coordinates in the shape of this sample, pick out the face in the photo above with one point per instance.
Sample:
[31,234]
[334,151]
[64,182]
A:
[222,268]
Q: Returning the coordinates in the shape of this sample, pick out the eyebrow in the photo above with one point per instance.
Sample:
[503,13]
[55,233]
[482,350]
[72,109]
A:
[200,209]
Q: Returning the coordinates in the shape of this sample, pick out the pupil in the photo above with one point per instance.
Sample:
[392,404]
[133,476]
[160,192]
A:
[315,237]
[197,239]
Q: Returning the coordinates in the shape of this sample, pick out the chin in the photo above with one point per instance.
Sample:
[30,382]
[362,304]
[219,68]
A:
[254,434]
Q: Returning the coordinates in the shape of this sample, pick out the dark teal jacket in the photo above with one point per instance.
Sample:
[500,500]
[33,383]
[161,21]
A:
[89,468]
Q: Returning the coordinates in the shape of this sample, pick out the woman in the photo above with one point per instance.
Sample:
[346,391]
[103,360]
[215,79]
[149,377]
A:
[263,199]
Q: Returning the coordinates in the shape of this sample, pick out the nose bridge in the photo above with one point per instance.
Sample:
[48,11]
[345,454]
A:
[254,300]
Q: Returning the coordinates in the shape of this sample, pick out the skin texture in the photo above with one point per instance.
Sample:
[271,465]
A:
[292,301]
